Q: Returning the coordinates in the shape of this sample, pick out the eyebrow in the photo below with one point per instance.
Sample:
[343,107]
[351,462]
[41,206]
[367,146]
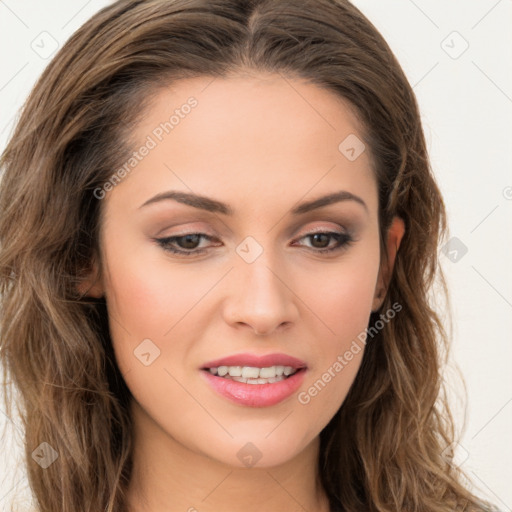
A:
[214,206]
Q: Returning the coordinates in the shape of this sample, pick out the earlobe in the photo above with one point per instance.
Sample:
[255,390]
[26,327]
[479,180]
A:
[395,234]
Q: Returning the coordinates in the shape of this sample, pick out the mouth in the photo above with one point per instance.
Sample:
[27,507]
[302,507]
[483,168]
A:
[254,374]
[255,381]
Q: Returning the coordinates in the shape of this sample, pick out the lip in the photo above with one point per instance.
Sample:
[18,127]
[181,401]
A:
[256,395]
[264,361]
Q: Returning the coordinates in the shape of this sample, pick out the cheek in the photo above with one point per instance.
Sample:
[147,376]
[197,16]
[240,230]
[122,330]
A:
[148,293]
[145,299]
[342,293]
[342,300]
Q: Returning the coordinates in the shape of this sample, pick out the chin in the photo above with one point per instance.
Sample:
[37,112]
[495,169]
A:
[260,451]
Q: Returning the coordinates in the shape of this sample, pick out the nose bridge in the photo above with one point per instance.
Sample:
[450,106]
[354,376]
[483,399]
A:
[260,296]
[261,280]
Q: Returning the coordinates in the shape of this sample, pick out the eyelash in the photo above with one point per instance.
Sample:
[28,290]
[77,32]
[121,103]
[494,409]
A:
[344,240]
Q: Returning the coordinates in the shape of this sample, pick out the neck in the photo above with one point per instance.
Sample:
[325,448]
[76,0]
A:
[168,477]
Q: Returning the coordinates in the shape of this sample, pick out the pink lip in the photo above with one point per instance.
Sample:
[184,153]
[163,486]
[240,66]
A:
[256,395]
[257,361]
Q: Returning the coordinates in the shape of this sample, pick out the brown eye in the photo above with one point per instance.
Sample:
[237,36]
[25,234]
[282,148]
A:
[186,245]
[320,241]
[189,241]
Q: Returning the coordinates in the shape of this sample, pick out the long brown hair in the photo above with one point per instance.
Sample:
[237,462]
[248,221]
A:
[385,449]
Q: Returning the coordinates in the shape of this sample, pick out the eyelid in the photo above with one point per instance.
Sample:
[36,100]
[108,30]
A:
[323,229]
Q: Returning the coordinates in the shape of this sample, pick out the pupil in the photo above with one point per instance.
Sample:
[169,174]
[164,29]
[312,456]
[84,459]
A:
[317,237]
[190,239]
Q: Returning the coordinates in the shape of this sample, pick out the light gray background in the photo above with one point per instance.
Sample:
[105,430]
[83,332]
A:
[465,95]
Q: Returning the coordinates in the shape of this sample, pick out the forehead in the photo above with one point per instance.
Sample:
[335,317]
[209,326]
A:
[255,134]
[252,104]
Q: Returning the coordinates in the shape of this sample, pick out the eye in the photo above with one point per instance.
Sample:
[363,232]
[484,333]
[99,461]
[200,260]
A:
[189,244]
[321,239]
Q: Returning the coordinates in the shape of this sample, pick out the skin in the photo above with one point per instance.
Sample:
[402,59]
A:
[262,144]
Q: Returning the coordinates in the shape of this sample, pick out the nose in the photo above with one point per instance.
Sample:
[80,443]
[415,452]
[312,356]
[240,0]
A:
[261,298]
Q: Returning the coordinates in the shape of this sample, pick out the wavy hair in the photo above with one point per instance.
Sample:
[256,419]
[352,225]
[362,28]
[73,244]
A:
[385,448]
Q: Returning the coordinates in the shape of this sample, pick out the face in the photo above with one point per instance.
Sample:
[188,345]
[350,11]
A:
[231,288]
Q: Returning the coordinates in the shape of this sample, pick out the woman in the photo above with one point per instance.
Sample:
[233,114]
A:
[219,228]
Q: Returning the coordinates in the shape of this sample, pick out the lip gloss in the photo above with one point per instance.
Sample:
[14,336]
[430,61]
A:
[255,395]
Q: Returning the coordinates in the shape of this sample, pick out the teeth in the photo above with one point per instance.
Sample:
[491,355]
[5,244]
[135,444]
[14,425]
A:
[252,374]
[257,381]
[222,370]
[266,373]
[249,372]
[235,371]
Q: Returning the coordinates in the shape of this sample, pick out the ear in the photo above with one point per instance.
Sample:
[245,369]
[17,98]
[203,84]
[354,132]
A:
[91,283]
[395,233]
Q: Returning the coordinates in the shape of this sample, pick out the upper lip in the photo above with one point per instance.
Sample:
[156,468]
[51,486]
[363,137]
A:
[257,361]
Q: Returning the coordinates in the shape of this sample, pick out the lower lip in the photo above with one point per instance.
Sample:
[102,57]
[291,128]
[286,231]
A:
[255,395]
